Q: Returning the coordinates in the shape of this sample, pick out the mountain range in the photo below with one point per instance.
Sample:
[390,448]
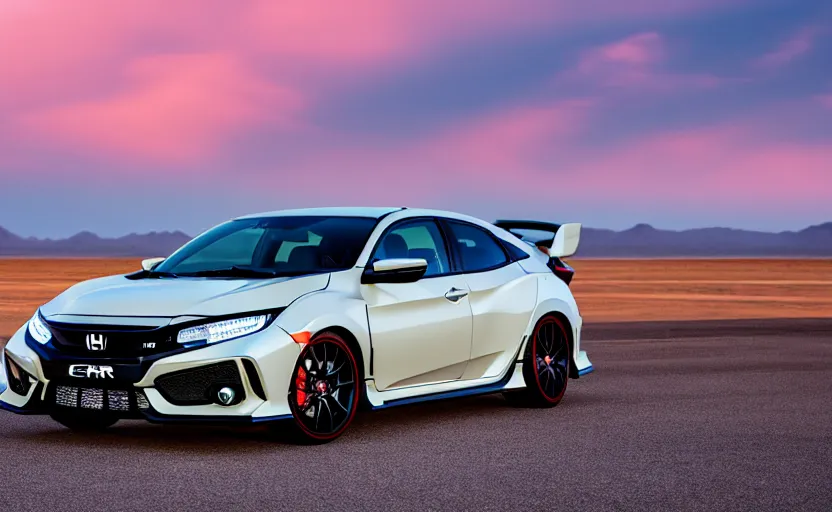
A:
[89,244]
[639,241]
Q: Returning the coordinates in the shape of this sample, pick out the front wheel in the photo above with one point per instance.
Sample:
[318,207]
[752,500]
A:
[545,366]
[325,390]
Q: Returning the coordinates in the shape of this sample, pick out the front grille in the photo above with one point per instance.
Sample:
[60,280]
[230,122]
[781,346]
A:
[66,396]
[92,399]
[118,400]
[98,399]
[197,386]
[109,341]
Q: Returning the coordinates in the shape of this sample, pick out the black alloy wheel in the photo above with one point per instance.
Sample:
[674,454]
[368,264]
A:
[324,391]
[545,366]
[551,357]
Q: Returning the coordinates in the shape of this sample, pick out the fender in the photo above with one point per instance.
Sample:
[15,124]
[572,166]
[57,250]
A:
[330,308]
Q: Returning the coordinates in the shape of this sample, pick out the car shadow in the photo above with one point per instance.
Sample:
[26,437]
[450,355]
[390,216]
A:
[132,434]
[368,425]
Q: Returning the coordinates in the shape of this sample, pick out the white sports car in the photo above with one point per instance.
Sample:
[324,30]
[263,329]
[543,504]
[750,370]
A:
[302,317]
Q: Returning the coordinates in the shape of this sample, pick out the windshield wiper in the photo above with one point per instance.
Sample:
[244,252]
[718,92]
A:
[155,274]
[234,271]
[149,274]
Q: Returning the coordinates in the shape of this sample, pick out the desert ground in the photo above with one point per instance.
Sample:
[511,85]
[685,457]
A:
[606,290]
[698,416]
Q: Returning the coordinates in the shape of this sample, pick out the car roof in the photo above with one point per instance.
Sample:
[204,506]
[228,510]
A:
[372,212]
[344,211]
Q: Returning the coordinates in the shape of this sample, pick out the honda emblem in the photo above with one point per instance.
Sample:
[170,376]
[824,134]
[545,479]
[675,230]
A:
[96,342]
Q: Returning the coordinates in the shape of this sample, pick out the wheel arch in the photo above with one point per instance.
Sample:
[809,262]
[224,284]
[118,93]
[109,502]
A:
[352,342]
[570,337]
[360,358]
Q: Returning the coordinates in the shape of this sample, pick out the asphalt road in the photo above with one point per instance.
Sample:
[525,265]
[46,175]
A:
[697,421]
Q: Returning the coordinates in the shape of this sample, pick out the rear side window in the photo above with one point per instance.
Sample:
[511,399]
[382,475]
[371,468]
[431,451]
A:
[478,250]
[515,252]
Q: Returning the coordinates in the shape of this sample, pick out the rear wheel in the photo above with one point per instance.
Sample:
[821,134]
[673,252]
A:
[545,366]
[324,391]
[84,422]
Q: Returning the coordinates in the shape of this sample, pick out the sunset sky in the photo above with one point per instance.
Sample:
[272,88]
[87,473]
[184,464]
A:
[123,116]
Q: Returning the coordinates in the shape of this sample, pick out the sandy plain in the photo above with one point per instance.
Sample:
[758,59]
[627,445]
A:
[606,290]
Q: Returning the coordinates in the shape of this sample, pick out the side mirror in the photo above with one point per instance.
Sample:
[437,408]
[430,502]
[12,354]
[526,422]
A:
[148,264]
[566,241]
[395,270]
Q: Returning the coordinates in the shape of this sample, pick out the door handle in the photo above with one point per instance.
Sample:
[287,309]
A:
[455,295]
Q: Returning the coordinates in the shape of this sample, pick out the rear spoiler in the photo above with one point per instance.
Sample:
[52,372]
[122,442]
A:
[563,241]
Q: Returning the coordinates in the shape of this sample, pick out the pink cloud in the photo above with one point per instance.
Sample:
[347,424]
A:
[49,48]
[796,46]
[90,77]
[730,164]
[174,108]
[643,49]
[825,100]
[77,44]
[361,31]
[491,151]
[95,76]
[728,167]
[506,139]
[634,62]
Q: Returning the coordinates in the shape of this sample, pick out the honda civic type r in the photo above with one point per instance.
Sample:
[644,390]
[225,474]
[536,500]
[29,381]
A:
[302,317]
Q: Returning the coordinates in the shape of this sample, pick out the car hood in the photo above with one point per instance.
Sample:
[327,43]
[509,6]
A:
[184,296]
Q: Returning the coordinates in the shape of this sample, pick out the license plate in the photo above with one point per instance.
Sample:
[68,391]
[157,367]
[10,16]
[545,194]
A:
[91,371]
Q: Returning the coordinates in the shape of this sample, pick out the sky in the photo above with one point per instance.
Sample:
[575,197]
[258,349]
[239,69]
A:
[134,116]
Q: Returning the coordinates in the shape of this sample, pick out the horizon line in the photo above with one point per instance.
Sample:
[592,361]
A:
[584,226]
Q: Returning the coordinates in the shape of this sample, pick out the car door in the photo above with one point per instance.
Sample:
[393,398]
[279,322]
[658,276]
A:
[502,297]
[421,332]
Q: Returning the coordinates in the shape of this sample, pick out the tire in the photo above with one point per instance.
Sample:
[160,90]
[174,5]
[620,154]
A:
[83,421]
[325,390]
[545,366]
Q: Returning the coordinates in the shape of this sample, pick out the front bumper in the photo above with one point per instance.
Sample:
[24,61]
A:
[264,362]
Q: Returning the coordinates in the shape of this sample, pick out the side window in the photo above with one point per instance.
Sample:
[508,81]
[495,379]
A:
[417,239]
[477,249]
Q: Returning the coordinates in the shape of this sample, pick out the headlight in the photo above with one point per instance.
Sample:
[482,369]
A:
[38,330]
[222,331]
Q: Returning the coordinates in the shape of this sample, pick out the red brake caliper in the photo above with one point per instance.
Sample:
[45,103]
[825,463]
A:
[300,386]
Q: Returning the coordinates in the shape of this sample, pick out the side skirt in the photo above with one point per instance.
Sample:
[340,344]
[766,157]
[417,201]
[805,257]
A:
[482,389]
[156,417]
[589,369]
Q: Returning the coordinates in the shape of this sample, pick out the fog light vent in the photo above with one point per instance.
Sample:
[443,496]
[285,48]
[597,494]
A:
[19,381]
[200,385]
[141,400]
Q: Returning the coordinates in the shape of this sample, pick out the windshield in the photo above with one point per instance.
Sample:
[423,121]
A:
[272,247]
